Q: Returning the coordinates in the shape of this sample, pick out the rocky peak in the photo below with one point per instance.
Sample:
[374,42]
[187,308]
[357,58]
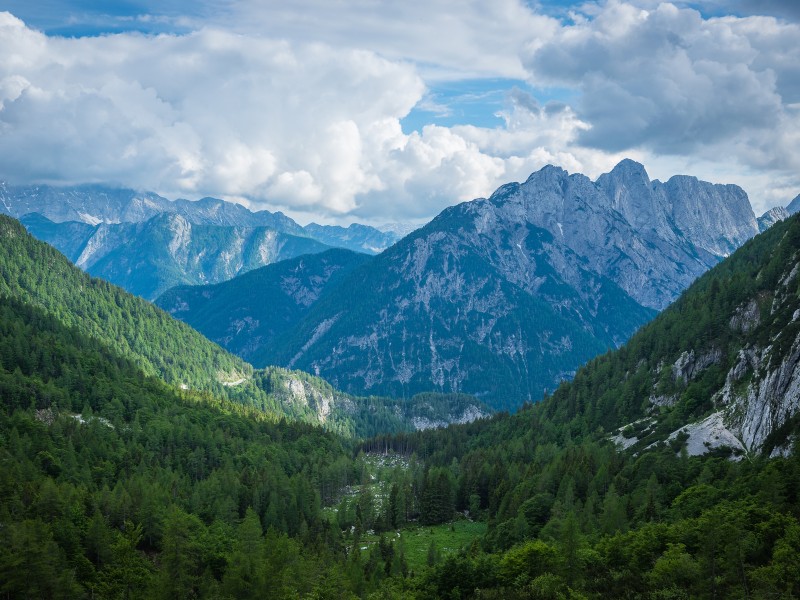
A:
[631,194]
[716,218]
[772,216]
[794,205]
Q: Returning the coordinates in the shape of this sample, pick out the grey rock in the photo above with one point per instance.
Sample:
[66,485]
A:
[772,216]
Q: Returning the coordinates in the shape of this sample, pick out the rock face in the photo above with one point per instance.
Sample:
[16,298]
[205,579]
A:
[505,297]
[168,250]
[794,205]
[772,216]
[94,205]
[725,358]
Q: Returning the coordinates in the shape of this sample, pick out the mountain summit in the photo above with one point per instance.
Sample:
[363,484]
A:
[505,297]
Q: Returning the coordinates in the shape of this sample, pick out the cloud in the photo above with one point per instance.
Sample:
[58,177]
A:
[446,38]
[299,106]
[210,112]
[305,127]
[671,82]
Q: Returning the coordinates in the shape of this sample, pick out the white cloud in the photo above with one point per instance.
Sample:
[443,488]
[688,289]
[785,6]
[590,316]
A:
[307,128]
[206,113]
[668,82]
[280,106]
[447,38]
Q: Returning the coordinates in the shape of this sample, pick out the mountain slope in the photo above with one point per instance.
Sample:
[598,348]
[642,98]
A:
[505,297]
[37,275]
[436,312]
[248,312]
[772,216]
[108,473]
[725,356]
[629,481]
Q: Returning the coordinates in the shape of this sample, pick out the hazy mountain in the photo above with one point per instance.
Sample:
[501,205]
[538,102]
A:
[150,257]
[356,237]
[96,204]
[772,216]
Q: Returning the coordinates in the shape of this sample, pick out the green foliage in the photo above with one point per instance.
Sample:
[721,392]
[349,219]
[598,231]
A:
[115,484]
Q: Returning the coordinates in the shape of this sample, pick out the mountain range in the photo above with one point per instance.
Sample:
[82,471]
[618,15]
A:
[35,274]
[147,244]
[501,297]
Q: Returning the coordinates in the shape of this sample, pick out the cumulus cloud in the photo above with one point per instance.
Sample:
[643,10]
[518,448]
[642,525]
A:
[671,82]
[281,106]
[309,128]
[207,112]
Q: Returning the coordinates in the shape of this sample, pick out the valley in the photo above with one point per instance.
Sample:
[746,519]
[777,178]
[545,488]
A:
[145,459]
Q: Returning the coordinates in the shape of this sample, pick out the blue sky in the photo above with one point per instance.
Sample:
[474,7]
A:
[376,111]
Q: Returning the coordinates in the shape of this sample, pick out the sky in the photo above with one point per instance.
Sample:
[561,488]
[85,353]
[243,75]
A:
[375,111]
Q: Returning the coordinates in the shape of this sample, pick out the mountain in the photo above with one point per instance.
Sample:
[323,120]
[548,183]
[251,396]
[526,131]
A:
[94,204]
[669,468]
[772,216]
[148,244]
[505,297]
[720,368]
[167,250]
[794,205]
[247,313]
[356,237]
[37,275]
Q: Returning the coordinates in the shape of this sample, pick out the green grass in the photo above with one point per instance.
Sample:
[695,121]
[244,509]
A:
[448,539]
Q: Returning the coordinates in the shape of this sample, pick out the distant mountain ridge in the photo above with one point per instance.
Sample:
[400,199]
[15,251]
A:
[149,257]
[505,297]
[96,204]
[148,244]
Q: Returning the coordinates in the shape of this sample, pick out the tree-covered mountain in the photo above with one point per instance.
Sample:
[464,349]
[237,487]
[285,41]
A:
[36,274]
[247,313]
[504,298]
[115,485]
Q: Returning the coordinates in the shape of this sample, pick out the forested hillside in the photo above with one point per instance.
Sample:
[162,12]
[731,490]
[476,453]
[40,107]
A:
[34,273]
[248,312]
[113,485]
